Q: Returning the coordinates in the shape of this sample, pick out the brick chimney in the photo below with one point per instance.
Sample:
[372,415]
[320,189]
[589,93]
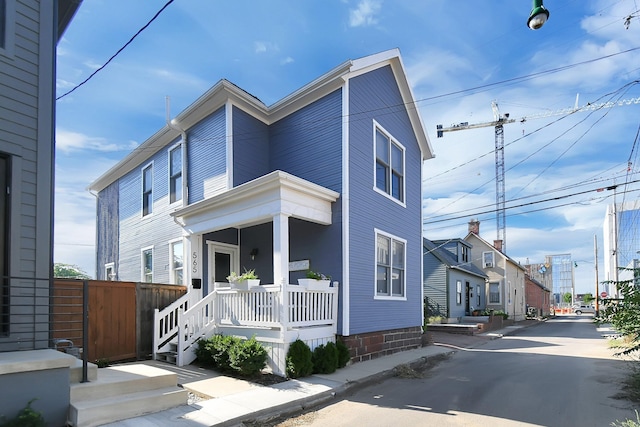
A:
[474,227]
[498,245]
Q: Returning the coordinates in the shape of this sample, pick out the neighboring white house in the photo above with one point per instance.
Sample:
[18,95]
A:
[506,277]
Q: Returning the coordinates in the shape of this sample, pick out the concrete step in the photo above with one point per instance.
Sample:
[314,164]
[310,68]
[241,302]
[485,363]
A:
[123,379]
[75,376]
[90,413]
[124,391]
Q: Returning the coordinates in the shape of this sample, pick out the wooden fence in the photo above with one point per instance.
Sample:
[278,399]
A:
[120,316]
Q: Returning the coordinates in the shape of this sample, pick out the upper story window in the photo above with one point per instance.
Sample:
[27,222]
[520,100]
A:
[147,190]
[464,253]
[389,165]
[147,265]
[488,260]
[390,266]
[494,293]
[7,19]
[110,271]
[3,23]
[175,174]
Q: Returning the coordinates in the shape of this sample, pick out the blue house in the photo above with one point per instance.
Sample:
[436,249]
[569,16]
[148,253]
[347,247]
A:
[326,179]
[453,286]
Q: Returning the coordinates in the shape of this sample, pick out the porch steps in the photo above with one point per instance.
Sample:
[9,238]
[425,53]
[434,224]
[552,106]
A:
[122,392]
[169,356]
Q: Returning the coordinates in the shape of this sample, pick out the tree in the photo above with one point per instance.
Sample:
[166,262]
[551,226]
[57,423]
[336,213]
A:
[68,271]
[587,298]
[566,297]
[624,314]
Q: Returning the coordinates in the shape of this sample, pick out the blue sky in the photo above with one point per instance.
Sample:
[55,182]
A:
[459,57]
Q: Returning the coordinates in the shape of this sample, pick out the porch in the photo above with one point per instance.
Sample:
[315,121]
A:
[276,315]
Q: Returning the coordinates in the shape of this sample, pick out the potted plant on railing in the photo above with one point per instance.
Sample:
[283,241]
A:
[315,281]
[246,280]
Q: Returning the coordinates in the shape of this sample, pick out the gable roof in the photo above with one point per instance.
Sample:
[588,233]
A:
[66,10]
[535,282]
[447,258]
[224,92]
[490,246]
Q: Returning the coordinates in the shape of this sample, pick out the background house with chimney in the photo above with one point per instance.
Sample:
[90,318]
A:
[506,277]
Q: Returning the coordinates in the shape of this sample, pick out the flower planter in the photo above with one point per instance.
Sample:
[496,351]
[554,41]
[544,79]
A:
[245,285]
[314,284]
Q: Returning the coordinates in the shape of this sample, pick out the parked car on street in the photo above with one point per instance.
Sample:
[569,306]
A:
[587,309]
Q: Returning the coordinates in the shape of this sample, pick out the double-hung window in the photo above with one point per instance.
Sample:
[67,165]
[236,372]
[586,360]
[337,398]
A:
[389,175]
[175,174]
[177,262]
[147,190]
[494,293]
[458,292]
[390,266]
[147,265]
[7,23]
[3,23]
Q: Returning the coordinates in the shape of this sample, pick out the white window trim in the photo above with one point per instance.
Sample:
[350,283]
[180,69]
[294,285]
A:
[499,294]
[142,274]
[493,260]
[184,257]
[377,126]
[153,171]
[232,250]
[178,146]
[479,300]
[458,292]
[107,266]
[10,29]
[375,266]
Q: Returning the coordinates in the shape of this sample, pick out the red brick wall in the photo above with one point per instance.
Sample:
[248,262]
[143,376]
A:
[382,343]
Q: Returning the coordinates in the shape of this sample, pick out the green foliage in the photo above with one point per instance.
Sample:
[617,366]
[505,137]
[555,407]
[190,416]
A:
[103,362]
[344,356]
[27,417]
[247,275]
[325,359]
[248,357]
[628,423]
[299,363]
[504,315]
[587,298]
[215,351]
[68,271]
[566,297]
[317,275]
[624,314]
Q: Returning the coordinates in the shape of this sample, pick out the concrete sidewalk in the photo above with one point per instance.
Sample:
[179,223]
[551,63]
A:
[235,401]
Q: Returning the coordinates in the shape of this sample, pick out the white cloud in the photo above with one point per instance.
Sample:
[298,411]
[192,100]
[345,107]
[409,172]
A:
[365,13]
[265,46]
[68,141]
[287,60]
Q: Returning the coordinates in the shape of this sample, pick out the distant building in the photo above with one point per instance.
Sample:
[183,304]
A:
[555,274]
[621,242]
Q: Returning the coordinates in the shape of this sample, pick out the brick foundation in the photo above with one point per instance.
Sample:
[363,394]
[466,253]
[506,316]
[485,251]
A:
[382,343]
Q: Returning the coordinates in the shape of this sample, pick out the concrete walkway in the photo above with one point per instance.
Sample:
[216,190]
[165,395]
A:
[234,401]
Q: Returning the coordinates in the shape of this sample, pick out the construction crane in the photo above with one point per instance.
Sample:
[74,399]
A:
[499,120]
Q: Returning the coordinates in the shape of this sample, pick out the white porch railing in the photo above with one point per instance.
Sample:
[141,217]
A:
[274,319]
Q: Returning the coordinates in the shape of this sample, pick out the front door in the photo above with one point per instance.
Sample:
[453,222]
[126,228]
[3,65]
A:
[223,259]
[468,299]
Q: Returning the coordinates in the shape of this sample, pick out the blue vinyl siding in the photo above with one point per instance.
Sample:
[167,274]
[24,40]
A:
[207,157]
[250,147]
[435,285]
[308,144]
[375,96]
[108,229]
[156,229]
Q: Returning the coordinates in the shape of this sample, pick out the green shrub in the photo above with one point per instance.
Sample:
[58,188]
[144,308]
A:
[299,363]
[214,351]
[325,359]
[344,356]
[248,357]
[27,417]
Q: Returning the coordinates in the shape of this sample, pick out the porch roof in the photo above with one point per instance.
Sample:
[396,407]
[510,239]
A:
[259,201]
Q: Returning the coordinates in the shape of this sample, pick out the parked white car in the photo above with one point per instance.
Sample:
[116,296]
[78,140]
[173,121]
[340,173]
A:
[587,309]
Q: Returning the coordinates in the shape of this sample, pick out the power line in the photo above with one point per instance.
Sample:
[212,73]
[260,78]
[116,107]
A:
[118,52]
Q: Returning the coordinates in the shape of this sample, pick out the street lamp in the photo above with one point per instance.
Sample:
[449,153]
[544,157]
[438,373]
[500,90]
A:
[538,15]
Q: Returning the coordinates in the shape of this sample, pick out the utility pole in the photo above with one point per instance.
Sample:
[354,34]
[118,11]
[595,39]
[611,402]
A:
[595,256]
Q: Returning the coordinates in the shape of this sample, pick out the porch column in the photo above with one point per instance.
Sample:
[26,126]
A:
[281,249]
[193,264]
